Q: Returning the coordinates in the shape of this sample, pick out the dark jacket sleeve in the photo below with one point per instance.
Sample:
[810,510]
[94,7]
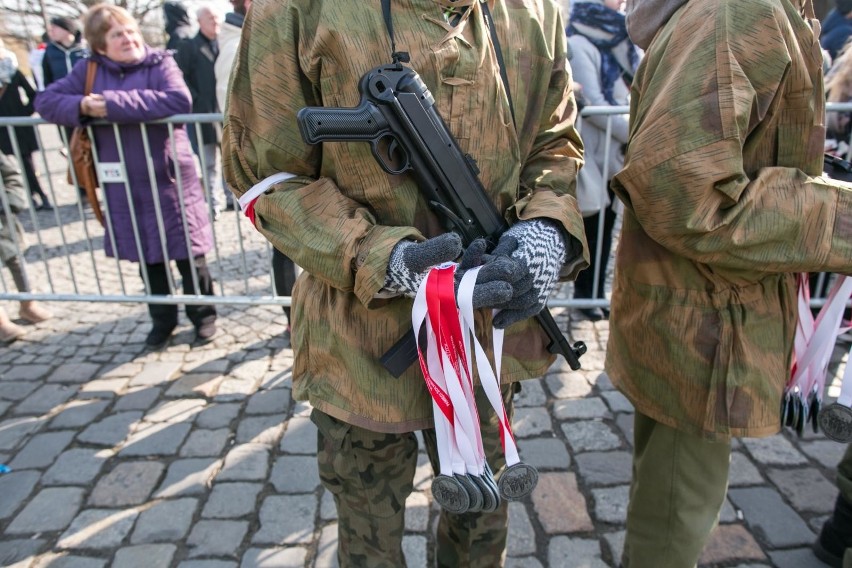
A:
[185,56]
[46,69]
[29,108]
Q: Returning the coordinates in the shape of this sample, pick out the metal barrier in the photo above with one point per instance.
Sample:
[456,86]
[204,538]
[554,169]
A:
[64,250]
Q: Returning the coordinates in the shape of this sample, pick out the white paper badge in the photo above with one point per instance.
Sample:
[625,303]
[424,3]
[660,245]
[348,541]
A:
[110,172]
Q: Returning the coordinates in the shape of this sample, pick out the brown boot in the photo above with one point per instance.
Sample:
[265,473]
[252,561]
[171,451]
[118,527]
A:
[32,312]
[9,330]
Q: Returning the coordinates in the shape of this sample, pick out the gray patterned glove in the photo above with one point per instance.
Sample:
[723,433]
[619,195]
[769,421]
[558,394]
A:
[410,262]
[539,248]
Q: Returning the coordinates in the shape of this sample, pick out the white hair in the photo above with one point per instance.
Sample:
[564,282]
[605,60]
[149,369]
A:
[208,9]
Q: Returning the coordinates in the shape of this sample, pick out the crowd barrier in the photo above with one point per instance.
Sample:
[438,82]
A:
[64,246]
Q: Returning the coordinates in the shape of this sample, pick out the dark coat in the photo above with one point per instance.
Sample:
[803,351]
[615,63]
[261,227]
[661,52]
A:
[178,24]
[196,58]
[11,104]
[836,29]
[140,93]
[58,60]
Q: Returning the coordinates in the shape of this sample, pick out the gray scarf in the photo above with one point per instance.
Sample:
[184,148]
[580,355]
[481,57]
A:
[646,17]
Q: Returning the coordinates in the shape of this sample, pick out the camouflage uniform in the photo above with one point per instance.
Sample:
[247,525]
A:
[341,216]
[723,205]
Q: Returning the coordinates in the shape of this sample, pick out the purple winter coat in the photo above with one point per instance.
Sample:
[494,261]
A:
[136,93]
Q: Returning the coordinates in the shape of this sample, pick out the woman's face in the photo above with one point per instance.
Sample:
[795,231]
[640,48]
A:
[124,43]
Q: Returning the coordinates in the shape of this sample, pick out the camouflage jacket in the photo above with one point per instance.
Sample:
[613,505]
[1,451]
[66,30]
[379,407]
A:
[723,204]
[341,216]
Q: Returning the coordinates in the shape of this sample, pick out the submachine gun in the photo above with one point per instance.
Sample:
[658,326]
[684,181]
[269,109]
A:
[397,116]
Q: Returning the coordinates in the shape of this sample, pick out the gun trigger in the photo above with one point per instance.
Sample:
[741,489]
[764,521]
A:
[461,227]
[472,163]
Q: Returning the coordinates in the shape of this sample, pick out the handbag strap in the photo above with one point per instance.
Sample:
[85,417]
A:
[91,68]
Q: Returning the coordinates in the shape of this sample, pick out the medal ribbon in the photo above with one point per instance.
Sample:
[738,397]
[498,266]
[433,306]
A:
[430,366]
[444,318]
[815,341]
[488,377]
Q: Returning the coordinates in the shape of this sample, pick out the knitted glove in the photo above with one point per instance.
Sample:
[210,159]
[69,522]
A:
[410,262]
[539,248]
[495,280]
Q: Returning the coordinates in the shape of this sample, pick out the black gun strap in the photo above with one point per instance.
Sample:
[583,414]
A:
[402,56]
[397,56]
[489,20]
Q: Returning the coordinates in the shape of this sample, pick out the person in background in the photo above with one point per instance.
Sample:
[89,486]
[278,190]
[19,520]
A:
[724,205]
[178,24]
[603,60]
[12,244]
[36,58]
[12,82]
[64,50]
[366,239]
[837,27]
[134,84]
[196,58]
[838,89]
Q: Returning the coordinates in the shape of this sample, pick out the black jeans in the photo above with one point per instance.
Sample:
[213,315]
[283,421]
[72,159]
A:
[165,315]
[584,285]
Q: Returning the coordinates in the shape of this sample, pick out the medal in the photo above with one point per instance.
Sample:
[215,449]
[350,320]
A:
[815,409]
[450,494]
[836,421]
[517,481]
[490,497]
[474,494]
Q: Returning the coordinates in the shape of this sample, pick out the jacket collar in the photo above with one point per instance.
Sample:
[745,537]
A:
[646,17]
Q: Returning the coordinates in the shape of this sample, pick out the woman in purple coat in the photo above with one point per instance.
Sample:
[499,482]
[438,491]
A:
[134,84]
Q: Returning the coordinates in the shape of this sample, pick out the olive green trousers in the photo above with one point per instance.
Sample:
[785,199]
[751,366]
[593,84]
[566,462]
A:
[678,487]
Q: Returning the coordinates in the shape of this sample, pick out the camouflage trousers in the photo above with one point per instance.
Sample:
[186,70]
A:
[371,475]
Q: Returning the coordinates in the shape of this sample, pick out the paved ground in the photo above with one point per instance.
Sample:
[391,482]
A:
[197,456]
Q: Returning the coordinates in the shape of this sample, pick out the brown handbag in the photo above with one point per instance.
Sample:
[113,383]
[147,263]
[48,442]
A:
[82,159]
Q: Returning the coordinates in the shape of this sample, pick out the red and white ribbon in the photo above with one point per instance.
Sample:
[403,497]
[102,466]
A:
[815,340]
[250,197]
[447,367]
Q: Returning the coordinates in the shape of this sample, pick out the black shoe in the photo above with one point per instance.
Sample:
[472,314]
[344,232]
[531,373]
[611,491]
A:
[45,206]
[205,331]
[159,335]
[591,314]
[836,535]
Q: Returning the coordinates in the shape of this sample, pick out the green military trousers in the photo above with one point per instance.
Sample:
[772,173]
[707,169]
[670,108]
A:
[678,487]
[371,474]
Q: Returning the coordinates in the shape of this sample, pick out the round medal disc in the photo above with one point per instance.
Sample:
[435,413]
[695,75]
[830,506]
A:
[836,421]
[517,481]
[489,496]
[450,494]
[476,498]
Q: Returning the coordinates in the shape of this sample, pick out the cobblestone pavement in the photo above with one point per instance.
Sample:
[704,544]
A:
[197,456]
